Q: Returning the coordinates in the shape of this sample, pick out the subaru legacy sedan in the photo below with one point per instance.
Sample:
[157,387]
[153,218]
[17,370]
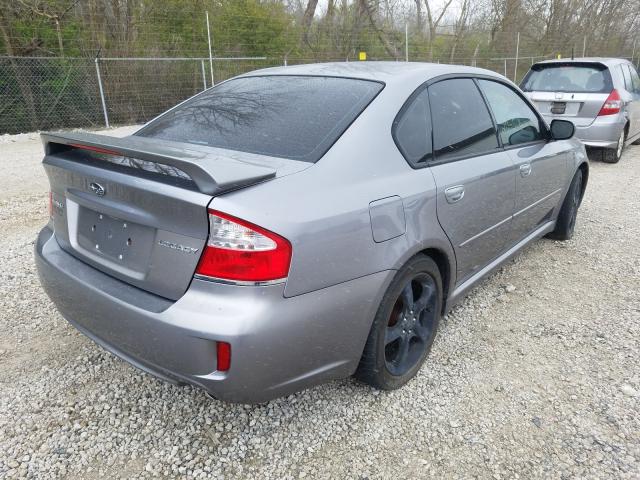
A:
[296,225]
[601,96]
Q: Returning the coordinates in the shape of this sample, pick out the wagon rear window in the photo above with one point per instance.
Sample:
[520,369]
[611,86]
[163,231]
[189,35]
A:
[574,78]
[295,117]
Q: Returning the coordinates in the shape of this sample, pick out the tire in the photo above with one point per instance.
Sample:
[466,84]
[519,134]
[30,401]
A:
[613,155]
[404,326]
[566,222]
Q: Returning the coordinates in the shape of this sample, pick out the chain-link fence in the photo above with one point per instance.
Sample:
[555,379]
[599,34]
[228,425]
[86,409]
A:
[49,76]
[41,93]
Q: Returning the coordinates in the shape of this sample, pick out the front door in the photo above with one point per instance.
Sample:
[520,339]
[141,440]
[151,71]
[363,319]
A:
[475,179]
[541,165]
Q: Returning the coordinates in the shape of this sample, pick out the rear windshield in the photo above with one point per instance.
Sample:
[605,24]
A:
[559,77]
[295,117]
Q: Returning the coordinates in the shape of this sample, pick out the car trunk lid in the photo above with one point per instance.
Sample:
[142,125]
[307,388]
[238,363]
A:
[136,208]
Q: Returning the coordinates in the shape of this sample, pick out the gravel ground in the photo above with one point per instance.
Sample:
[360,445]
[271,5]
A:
[534,375]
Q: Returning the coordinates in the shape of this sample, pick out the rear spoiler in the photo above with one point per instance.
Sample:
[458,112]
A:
[212,173]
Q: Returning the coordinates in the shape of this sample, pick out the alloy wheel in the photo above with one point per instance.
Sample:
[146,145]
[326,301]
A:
[411,325]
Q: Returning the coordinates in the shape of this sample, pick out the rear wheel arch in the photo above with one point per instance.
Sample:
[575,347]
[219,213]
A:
[445,267]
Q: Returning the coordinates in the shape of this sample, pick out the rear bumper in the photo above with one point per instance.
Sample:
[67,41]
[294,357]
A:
[604,132]
[278,345]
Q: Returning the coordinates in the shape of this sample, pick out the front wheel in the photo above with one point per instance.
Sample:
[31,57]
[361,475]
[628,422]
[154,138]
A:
[404,327]
[566,221]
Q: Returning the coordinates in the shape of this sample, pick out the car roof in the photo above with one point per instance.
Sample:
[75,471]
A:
[608,61]
[387,72]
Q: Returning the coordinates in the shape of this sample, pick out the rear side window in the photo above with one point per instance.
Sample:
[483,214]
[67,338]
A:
[517,122]
[626,74]
[295,117]
[412,130]
[635,79]
[462,125]
[569,77]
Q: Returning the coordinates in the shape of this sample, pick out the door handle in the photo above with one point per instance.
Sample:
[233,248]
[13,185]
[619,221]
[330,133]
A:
[525,170]
[454,194]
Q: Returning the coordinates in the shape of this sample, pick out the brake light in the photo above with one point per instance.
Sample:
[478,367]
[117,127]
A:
[241,251]
[50,204]
[223,354]
[612,104]
[95,149]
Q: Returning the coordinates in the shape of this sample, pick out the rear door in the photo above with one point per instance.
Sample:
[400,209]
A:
[475,178]
[572,91]
[541,165]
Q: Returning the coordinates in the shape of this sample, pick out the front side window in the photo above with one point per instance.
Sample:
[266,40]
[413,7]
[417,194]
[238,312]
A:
[412,130]
[295,117]
[462,125]
[517,122]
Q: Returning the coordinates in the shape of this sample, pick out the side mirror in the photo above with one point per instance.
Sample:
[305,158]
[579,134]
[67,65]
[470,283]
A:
[562,129]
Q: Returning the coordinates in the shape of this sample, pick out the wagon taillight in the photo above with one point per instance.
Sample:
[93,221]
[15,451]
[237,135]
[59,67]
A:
[612,104]
[241,251]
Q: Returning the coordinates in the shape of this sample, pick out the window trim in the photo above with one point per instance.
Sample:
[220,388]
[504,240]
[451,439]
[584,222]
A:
[474,77]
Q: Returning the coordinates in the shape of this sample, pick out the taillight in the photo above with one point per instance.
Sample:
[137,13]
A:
[241,251]
[612,104]
[223,354]
[50,204]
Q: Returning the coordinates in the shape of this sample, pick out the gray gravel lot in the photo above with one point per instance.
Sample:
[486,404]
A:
[535,375]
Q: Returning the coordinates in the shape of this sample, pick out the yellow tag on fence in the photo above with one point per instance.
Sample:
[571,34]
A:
[362,55]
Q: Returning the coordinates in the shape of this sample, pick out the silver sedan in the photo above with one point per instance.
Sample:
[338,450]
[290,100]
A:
[296,225]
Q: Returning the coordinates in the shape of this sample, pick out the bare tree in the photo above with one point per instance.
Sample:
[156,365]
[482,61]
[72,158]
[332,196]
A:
[46,9]
[461,25]
[434,21]
[307,18]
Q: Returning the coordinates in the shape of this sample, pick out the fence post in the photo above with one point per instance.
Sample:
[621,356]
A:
[104,104]
[210,54]
[515,68]
[406,42]
[505,67]
[204,75]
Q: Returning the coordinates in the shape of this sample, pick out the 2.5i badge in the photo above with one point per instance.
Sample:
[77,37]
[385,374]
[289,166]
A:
[177,246]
